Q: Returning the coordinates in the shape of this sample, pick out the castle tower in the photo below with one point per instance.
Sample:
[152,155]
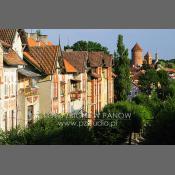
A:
[137,55]
[156,57]
[148,58]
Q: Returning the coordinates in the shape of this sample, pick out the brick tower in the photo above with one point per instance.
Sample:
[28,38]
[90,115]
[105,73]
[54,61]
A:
[137,55]
[148,58]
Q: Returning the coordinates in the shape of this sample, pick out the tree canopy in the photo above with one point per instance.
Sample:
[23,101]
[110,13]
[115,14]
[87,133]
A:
[87,46]
[118,130]
[122,83]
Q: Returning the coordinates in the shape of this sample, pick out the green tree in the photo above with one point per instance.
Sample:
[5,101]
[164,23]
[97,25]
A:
[119,130]
[161,131]
[50,130]
[164,83]
[122,82]
[152,103]
[148,81]
[87,46]
[171,89]
[38,32]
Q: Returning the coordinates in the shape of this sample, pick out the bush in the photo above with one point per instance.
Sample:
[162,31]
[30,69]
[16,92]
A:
[161,131]
[119,133]
[152,103]
[50,130]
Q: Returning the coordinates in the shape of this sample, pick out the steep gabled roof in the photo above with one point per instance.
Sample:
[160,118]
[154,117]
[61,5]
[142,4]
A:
[32,42]
[137,47]
[12,58]
[99,59]
[68,67]
[44,58]
[77,59]
[8,35]
[4,44]
[107,60]
[147,55]
[95,59]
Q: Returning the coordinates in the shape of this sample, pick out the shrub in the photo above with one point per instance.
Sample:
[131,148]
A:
[124,128]
[161,131]
[49,129]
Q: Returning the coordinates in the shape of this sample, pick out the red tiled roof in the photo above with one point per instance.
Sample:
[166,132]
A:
[4,44]
[31,59]
[69,68]
[99,59]
[32,42]
[170,70]
[44,58]
[8,35]
[12,58]
[136,47]
[95,59]
[77,59]
[107,60]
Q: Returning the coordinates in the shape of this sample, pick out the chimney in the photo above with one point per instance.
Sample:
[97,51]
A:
[43,38]
[33,36]
[69,50]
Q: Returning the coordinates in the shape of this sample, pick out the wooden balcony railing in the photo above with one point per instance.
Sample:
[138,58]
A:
[75,95]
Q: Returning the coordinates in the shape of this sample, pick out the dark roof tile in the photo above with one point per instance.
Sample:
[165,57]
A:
[44,58]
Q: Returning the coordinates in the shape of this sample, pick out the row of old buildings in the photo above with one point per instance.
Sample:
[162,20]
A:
[37,77]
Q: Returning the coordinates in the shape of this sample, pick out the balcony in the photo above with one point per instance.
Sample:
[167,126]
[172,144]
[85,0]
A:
[75,95]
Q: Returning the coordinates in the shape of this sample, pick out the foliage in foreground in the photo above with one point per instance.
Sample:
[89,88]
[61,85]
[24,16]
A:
[122,128]
[161,131]
[50,130]
[157,118]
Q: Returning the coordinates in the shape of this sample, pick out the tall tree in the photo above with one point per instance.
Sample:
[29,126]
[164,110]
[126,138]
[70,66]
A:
[87,46]
[38,32]
[122,82]
[149,81]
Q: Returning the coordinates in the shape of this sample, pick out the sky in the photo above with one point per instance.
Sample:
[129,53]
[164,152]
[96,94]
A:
[149,39]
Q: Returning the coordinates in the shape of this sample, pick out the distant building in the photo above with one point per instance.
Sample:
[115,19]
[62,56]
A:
[148,58]
[137,58]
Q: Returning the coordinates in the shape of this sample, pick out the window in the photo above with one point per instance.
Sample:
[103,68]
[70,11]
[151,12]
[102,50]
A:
[6,89]
[12,117]
[75,85]
[5,119]
[33,83]
[62,88]
[56,89]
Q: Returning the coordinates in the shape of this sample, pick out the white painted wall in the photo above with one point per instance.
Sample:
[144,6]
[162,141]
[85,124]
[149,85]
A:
[8,104]
[17,45]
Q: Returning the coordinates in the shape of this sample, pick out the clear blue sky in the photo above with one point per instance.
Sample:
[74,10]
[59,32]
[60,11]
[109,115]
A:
[150,39]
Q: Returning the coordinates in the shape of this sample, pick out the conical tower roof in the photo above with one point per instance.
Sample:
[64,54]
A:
[148,54]
[137,47]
